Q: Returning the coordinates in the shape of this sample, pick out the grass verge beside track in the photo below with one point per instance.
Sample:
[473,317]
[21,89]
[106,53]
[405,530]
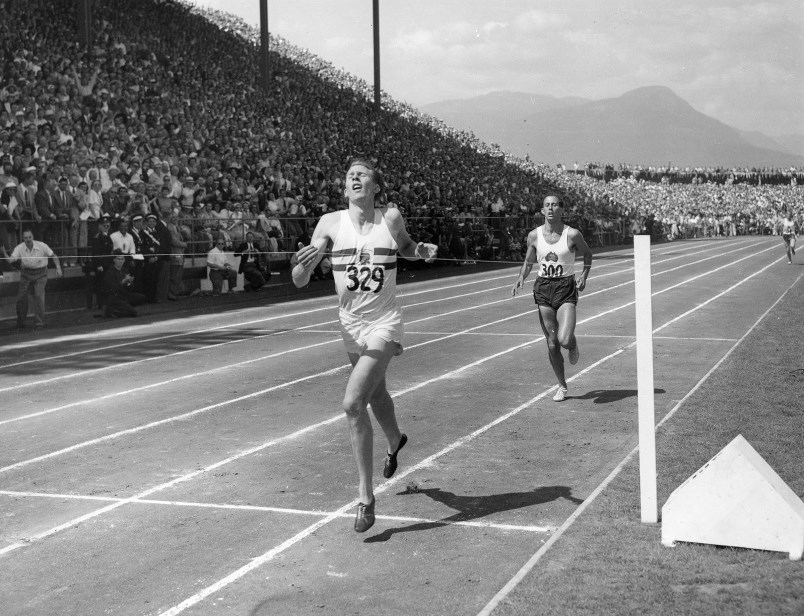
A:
[608,562]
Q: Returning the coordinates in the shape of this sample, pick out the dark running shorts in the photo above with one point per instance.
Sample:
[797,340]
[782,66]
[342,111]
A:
[554,292]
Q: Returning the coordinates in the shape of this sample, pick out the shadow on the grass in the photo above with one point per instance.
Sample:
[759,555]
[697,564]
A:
[474,507]
[604,396]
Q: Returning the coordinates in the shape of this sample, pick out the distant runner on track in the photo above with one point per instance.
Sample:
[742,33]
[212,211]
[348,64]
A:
[789,235]
[553,247]
[363,241]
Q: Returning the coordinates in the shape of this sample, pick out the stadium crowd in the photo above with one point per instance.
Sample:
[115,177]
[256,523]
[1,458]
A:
[164,119]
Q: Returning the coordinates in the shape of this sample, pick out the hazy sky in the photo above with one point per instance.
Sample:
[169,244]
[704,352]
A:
[741,62]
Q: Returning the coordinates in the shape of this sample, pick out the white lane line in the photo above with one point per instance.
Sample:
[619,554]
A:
[529,528]
[207,347]
[184,320]
[252,336]
[274,388]
[189,414]
[306,532]
[172,381]
[187,477]
[267,556]
[529,334]
[126,330]
[254,563]
[219,369]
[528,566]
[132,329]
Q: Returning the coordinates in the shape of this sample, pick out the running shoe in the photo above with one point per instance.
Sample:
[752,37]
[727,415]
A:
[364,519]
[390,459]
[561,394]
[574,355]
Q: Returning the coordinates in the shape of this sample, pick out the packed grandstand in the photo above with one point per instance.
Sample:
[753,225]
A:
[165,114]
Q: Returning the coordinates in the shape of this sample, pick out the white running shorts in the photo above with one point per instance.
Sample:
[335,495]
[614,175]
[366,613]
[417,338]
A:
[357,330]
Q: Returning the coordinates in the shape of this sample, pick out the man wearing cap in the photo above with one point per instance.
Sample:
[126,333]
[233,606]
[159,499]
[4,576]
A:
[138,261]
[163,283]
[100,260]
[32,257]
[151,249]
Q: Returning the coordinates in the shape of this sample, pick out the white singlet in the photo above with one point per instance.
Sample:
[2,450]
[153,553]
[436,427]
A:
[788,227]
[554,260]
[364,267]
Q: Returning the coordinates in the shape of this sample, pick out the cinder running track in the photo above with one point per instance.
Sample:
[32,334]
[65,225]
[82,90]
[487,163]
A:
[202,465]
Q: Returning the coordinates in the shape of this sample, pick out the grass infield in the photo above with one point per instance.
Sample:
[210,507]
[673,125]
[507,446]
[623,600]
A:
[608,562]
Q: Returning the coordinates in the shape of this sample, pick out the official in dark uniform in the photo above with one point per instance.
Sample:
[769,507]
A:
[100,259]
[151,249]
[136,263]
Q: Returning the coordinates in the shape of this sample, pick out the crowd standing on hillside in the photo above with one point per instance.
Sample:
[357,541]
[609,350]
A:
[165,117]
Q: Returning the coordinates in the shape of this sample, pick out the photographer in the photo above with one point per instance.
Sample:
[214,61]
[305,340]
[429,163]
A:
[120,301]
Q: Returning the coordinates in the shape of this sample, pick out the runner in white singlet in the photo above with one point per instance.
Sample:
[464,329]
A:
[554,246]
[363,243]
[789,235]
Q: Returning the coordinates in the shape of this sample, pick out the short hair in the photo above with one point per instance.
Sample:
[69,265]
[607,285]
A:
[376,174]
[560,200]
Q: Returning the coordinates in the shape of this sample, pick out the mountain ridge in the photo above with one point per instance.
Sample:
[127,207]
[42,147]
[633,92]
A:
[650,125]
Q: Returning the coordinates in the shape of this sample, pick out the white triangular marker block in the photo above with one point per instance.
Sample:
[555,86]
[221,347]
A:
[736,499]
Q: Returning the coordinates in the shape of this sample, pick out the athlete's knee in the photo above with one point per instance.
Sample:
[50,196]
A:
[353,406]
[567,341]
[553,345]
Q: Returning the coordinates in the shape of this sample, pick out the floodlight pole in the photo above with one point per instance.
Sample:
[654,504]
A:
[265,66]
[84,23]
[377,95]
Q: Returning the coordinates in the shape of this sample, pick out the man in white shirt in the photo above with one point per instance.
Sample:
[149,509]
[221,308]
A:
[220,269]
[32,257]
[122,240]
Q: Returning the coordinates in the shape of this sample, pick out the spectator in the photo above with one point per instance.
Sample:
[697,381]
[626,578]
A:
[32,257]
[26,196]
[9,216]
[65,205]
[151,251]
[254,264]
[100,260]
[176,263]
[220,269]
[117,284]
[166,257]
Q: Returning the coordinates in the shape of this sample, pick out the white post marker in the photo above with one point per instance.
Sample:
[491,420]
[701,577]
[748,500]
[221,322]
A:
[644,353]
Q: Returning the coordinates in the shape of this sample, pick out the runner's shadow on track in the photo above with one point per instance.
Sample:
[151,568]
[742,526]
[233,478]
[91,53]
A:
[604,396]
[474,507]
